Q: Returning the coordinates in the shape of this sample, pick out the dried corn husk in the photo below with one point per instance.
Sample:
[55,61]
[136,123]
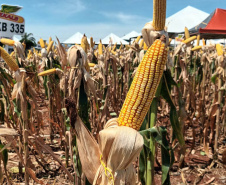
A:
[118,151]
[150,35]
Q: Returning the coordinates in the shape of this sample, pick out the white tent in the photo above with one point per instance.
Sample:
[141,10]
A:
[74,39]
[114,38]
[132,34]
[187,17]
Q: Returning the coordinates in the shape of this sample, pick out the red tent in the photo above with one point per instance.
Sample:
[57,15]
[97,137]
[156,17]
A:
[214,26]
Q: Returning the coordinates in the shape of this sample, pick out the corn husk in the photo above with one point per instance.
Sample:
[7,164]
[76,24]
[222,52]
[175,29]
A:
[118,151]
[150,35]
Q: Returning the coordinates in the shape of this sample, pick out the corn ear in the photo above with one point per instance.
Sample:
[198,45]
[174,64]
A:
[24,45]
[100,48]
[95,53]
[141,43]
[91,64]
[203,42]
[47,72]
[144,86]
[120,47]
[196,48]
[189,40]
[145,46]
[8,42]
[159,14]
[50,45]
[138,39]
[198,40]
[219,50]
[114,47]
[42,43]
[11,54]
[84,43]
[127,47]
[50,39]
[92,44]
[8,59]
[186,33]
[113,52]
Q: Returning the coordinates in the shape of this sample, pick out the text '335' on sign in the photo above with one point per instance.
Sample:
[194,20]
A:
[11,24]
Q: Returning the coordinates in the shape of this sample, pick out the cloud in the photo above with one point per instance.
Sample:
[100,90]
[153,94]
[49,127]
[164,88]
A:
[122,17]
[69,6]
[65,7]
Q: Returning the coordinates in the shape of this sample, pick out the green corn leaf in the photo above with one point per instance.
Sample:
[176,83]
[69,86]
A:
[2,113]
[166,86]
[159,135]
[4,154]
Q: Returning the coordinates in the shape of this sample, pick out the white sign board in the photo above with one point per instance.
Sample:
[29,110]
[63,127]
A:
[11,24]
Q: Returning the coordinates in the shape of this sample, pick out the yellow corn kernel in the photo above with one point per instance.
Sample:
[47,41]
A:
[144,86]
[42,43]
[8,59]
[100,48]
[219,50]
[189,40]
[47,72]
[8,42]
[198,40]
[159,14]
[186,33]
[196,48]
[49,46]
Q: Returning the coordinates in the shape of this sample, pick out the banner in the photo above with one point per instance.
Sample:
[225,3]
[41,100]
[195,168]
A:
[11,24]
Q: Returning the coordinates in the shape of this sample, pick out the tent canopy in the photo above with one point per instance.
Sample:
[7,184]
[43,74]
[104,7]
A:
[187,17]
[76,38]
[114,39]
[129,36]
[214,26]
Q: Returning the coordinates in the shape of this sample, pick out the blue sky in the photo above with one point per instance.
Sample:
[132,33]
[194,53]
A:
[97,18]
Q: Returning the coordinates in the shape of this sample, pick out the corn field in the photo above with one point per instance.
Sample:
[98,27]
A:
[145,113]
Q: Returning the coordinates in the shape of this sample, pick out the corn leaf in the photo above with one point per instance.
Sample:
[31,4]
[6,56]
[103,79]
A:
[2,113]
[159,135]
[166,87]
[4,154]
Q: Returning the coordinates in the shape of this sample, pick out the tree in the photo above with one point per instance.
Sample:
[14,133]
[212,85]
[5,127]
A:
[28,39]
